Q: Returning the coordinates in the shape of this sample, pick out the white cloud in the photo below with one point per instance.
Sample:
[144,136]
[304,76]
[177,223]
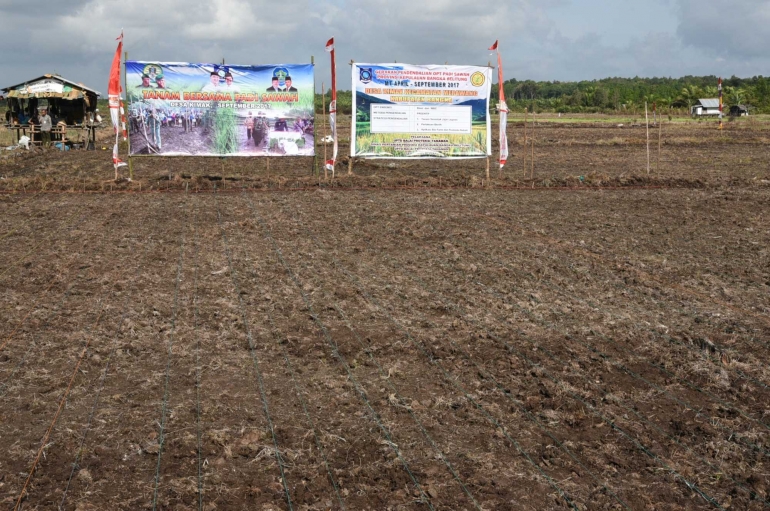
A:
[76,39]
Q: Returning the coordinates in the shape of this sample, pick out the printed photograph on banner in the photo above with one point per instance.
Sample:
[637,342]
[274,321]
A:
[184,109]
[408,111]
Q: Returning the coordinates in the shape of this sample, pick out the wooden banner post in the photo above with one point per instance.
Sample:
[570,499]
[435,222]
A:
[314,170]
[660,133]
[526,120]
[125,86]
[532,174]
[647,124]
[352,131]
[323,113]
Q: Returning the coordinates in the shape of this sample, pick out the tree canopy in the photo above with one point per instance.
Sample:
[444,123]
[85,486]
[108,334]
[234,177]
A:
[612,95]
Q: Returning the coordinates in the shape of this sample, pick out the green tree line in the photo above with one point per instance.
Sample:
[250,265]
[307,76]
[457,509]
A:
[630,94]
[616,95]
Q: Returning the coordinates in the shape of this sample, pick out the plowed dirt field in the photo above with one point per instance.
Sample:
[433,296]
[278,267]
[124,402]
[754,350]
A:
[223,347]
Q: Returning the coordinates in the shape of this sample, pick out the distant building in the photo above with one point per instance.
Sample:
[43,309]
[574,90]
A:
[705,107]
[739,111]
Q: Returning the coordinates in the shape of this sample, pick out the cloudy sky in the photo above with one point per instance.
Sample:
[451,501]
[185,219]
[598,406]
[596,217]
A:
[540,39]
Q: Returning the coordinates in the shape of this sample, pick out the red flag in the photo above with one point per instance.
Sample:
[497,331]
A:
[113,93]
[330,45]
[502,107]
[114,89]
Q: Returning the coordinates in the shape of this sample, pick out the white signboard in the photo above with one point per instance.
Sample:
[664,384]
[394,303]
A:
[407,111]
[45,86]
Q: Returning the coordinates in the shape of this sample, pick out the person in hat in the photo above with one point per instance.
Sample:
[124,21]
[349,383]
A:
[276,85]
[160,81]
[213,85]
[288,87]
[145,82]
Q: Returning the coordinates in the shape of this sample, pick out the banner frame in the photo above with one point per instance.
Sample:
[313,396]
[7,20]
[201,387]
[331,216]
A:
[130,156]
[353,131]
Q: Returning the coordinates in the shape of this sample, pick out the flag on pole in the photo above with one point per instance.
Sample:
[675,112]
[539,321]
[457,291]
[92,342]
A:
[333,108]
[116,104]
[502,107]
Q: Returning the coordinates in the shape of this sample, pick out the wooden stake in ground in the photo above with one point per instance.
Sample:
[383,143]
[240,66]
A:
[532,173]
[487,168]
[323,113]
[647,123]
[660,133]
[525,141]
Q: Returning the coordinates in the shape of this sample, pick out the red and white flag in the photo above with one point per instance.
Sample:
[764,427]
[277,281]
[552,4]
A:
[333,108]
[502,108]
[116,104]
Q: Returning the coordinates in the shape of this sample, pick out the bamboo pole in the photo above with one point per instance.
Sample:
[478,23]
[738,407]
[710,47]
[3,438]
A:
[525,141]
[660,134]
[314,171]
[323,113]
[125,86]
[352,131]
[532,173]
[647,123]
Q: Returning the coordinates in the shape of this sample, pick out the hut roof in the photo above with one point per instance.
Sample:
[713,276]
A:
[709,103]
[49,86]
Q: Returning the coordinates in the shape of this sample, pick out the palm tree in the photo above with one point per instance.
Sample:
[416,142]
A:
[734,95]
[689,95]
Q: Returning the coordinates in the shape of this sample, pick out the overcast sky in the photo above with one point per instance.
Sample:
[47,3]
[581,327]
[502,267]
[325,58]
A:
[539,39]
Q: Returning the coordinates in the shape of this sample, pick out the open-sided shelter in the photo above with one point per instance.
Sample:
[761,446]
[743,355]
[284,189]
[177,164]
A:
[68,103]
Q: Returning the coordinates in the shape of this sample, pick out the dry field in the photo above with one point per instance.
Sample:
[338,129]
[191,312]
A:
[566,154]
[594,343]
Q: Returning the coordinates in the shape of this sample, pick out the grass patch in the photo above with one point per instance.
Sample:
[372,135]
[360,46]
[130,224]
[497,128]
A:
[473,144]
[225,131]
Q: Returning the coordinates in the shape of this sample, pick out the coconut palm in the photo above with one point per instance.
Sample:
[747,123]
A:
[689,96]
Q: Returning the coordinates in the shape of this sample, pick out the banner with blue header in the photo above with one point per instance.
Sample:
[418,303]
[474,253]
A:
[407,111]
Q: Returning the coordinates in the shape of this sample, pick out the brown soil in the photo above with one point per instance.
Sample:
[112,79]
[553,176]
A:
[566,155]
[385,349]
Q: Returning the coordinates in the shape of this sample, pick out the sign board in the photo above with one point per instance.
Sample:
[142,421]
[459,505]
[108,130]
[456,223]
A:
[406,111]
[184,109]
[44,86]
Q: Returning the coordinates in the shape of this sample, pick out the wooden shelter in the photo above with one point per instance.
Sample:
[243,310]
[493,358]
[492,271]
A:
[72,107]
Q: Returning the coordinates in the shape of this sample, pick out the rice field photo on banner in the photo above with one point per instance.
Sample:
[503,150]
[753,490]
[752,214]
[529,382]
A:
[410,111]
[185,109]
